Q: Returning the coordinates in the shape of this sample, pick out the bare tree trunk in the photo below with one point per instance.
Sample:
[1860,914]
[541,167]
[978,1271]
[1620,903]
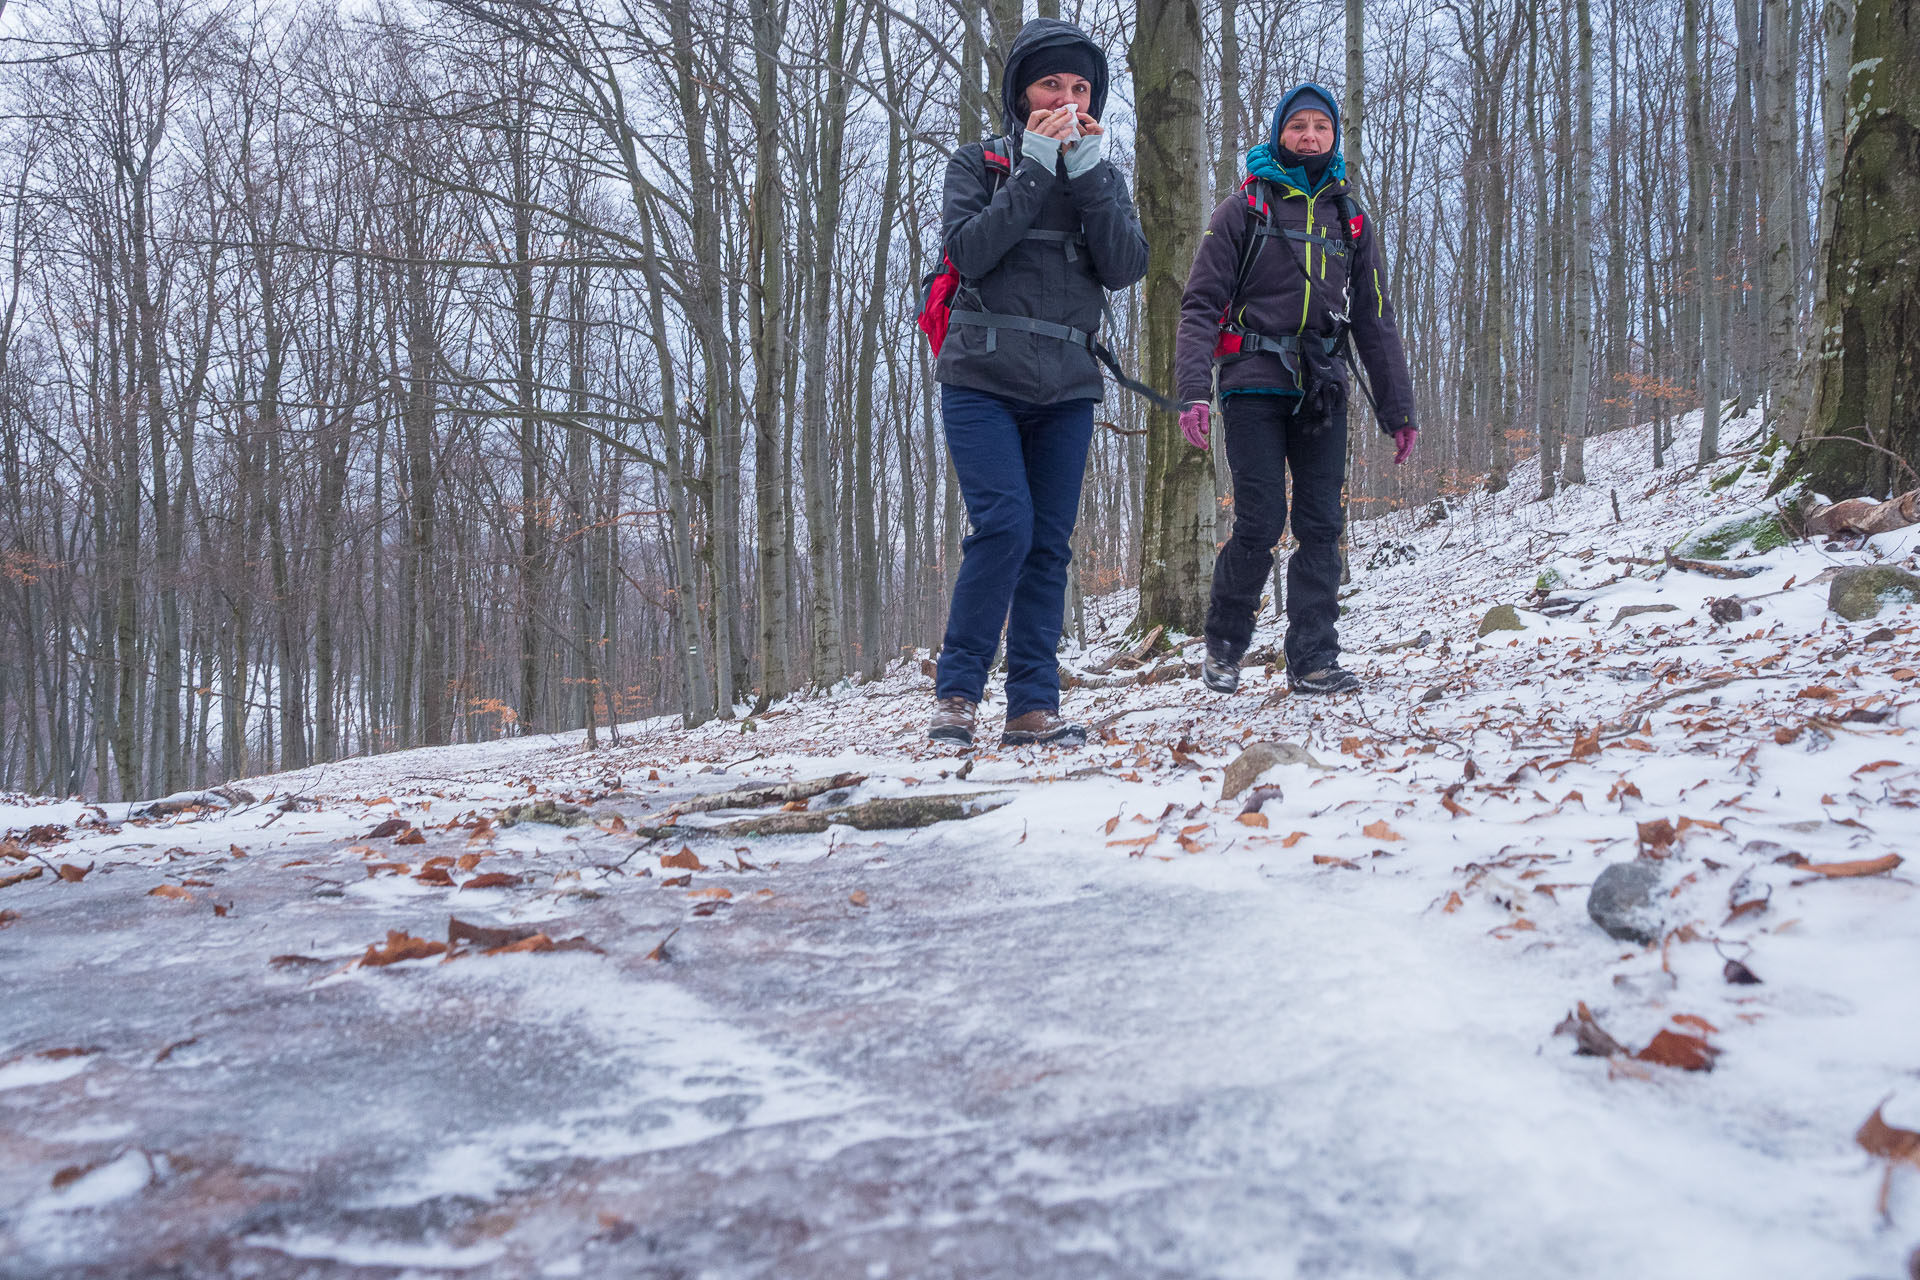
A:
[1785,406]
[1700,228]
[769,354]
[1575,467]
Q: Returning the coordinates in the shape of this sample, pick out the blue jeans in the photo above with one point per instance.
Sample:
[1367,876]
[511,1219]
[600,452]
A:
[1020,465]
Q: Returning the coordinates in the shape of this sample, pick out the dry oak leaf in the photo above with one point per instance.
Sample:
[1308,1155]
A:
[236,851]
[1888,1141]
[1589,1038]
[1111,823]
[400,946]
[412,835]
[1292,840]
[537,942]
[685,860]
[1379,830]
[434,875]
[1140,842]
[1454,807]
[858,897]
[1868,867]
[1587,744]
[492,880]
[391,827]
[1328,860]
[1673,1049]
[1902,673]
[168,891]
[716,894]
[1252,819]
[1453,903]
[1818,691]
[72,874]
[467,861]
[1656,837]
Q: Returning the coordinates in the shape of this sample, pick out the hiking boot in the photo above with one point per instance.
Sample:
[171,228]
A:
[1332,678]
[1219,672]
[952,721]
[1043,726]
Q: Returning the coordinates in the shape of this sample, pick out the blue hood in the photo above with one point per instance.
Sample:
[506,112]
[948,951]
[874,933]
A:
[1262,163]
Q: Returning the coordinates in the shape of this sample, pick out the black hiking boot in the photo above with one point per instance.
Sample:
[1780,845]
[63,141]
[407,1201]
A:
[1332,678]
[1219,672]
[952,721]
[1041,727]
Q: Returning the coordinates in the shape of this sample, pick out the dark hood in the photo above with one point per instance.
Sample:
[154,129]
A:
[1304,89]
[1045,33]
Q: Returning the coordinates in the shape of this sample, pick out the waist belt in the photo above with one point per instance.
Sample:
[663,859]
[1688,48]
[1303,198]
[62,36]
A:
[1289,346]
[994,321]
[1070,240]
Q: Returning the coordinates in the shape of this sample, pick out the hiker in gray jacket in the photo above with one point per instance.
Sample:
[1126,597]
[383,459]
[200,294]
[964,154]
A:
[1038,226]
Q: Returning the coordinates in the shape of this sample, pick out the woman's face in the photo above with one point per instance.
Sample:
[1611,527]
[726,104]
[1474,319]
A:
[1308,132]
[1050,93]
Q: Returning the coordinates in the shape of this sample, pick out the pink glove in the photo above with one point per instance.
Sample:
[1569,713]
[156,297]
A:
[1193,423]
[1403,444]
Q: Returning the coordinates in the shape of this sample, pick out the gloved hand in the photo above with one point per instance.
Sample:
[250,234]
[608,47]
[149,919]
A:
[1084,153]
[1035,145]
[1403,444]
[1194,425]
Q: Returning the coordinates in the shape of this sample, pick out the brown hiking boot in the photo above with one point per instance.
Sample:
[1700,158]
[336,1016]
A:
[952,721]
[1043,726]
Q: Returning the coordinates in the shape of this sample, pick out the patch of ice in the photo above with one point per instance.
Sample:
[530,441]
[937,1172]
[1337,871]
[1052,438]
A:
[40,1070]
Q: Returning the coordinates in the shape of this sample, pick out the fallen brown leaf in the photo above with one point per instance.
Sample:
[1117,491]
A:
[31,873]
[717,894]
[486,936]
[685,860]
[1739,975]
[537,942]
[467,861]
[1697,1023]
[8,917]
[1587,744]
[1673,1049]
[434,875]
[236,851]
[1589,1038]
[72,874]
[858,897]
[168,891]
[492,880]
[412,835]
[1656,837]
[1252,819]
[1453,903]
[1868,867]
[1379,830]
[1818,691]
[1292,840]
[1111,823]
[1328,860]
[400,946]
[391,827]
[1455,808]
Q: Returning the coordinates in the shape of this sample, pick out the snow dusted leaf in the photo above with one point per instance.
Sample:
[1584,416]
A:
[1685,1052]
[1138,842]
[492,880]
[1888,1141]
[1453,903]
[1656,837]
[1455,808]
[1111,824]
[1191,845]
[1820,691]
[1587,744]
[8,917]
[236,851]
[537,942]
[1328,860]
[31,873]
[412,835]
[486,936]
[400,946]
[1589,1038]
[1868,867]
[685,860]
[858,897]
[1697,1023]
[72,874]
[168,891]
[434,875]
[1251,819]
[1379,830]
[1293,839]
[388,829]
[1876,766]
[715,894]
[1195,829]
[1739,975]
[467,861]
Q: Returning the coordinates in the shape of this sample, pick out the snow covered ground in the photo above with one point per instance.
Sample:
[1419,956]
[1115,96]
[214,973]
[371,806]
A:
[1107,1030]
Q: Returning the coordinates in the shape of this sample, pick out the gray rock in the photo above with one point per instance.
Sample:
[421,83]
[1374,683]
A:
[1623,901]
[1862,591]
[548,811]
[1257,759]
[1635,610]
[1502,617]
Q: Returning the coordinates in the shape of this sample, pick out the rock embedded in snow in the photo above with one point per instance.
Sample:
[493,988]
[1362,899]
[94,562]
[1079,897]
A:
[1248,767]
[1623,901]
[1861,591]
[1502,617]
[1635,610]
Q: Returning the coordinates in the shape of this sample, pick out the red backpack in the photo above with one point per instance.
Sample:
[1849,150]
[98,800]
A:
[938,287]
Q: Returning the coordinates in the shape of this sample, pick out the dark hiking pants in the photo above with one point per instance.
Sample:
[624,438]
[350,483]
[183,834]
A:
[1020,465]
[1265,440]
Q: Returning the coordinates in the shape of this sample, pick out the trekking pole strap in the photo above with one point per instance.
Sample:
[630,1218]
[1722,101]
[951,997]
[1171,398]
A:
[993,321]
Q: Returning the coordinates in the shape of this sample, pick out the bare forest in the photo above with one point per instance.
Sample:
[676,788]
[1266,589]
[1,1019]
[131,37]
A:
[376,376]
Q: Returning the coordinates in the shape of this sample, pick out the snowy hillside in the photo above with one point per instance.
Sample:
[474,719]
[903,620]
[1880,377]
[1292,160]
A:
[1119,1025]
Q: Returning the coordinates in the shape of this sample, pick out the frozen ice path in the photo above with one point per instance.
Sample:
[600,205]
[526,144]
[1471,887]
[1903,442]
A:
[1031,1059]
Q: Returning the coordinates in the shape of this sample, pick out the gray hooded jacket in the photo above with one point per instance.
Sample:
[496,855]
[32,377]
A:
[985,228]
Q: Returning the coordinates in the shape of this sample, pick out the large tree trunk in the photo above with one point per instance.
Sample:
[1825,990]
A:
[1864,434]
[1575,469]
[1700,229]
[769,357]
[1176,552]
[1785,408]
